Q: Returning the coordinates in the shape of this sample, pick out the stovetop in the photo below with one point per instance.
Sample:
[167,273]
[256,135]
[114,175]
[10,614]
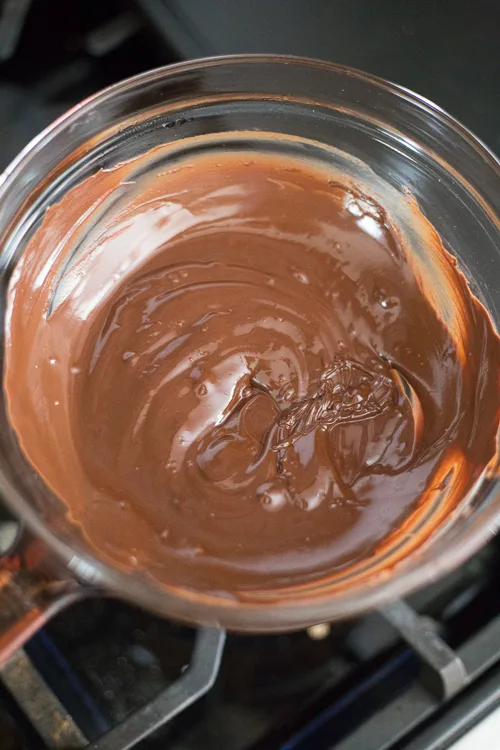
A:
[413,677]
[401,678]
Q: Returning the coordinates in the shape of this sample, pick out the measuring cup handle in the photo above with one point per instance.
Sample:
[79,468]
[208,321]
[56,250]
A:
[33,588]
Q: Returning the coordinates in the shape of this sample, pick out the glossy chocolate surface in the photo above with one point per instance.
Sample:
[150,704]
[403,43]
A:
[240,382]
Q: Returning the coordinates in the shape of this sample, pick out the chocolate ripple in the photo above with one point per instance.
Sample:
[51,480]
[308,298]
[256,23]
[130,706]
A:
[239,381]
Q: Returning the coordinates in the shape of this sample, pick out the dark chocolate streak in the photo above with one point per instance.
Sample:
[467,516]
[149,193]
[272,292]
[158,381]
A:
[241,383]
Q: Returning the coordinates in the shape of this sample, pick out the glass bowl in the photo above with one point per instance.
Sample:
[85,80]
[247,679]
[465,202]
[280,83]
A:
[376,132]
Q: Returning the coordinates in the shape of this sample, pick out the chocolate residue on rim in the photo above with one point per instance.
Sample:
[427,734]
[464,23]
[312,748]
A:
[238,381]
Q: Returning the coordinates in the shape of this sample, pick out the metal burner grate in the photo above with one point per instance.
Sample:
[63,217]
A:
[386,643]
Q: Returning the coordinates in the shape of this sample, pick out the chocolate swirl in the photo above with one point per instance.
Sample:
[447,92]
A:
[239,382]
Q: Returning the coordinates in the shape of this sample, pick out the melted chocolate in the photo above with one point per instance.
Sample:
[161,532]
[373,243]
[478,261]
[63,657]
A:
[233,376]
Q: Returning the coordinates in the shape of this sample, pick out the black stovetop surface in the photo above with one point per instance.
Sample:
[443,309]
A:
[358,685]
